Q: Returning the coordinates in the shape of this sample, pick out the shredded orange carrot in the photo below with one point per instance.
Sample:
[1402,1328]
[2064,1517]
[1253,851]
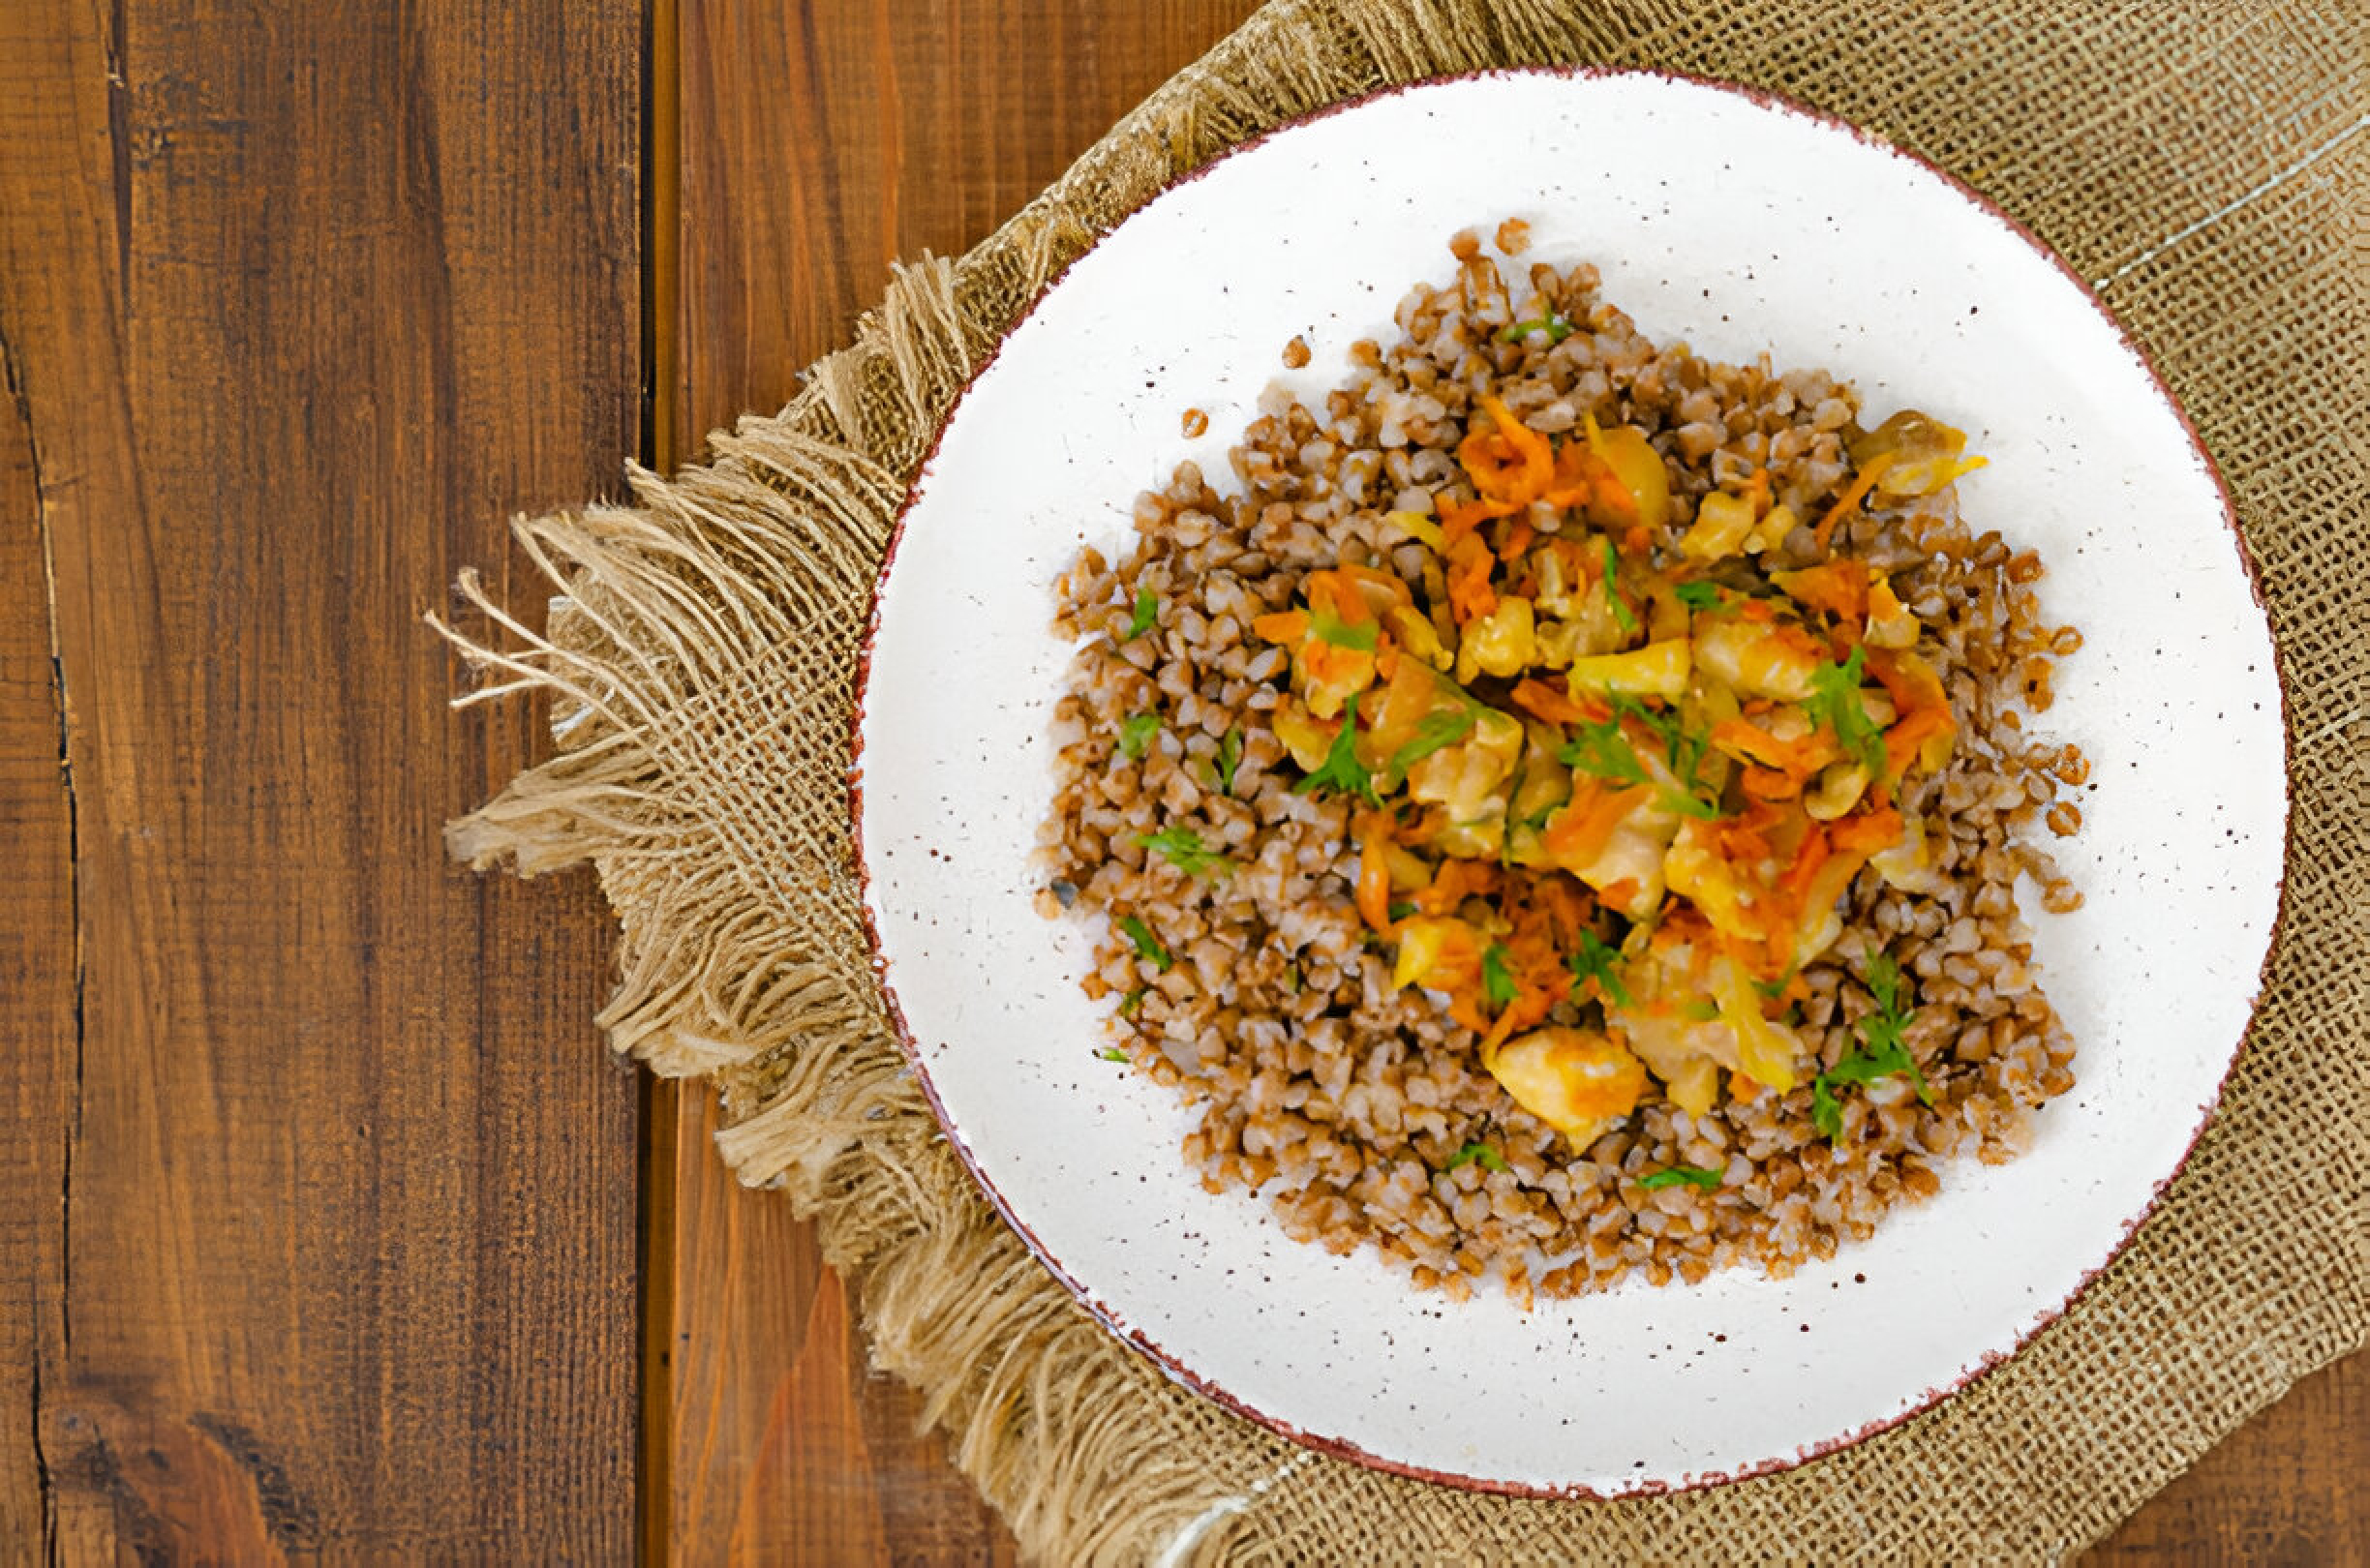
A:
[1456,881]
[1282,626]
[1798,758]
[1512,463]
[1812,854]
[1853,493]
[1578,832]
[1517,540]
[1902,741]
[1469,594]
[1867,832]
[1460,518]
[1769,784]
[1841,588]
[1374,870]
[1544,702]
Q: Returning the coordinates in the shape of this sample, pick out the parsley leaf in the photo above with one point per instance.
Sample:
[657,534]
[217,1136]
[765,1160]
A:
[1229,758]
[1497,986]
[1683,753]
[1825,1114]
[1595,961]
[1882,1052]
[1834,702]
[1884,982]
[1147,945]
[1622,616]
[1436,731]
[1552,323]
[1112,1054]
[1488,1158]
[1692,1175]
[1342,772]
[1136,735]
[1182,848]
[1697,595]
[1601,751]
[1147,611]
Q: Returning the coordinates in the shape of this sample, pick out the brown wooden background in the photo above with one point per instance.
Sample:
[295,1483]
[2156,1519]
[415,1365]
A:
[330,1230]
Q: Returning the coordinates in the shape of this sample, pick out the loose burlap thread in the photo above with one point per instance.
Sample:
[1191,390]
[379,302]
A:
[2203,165]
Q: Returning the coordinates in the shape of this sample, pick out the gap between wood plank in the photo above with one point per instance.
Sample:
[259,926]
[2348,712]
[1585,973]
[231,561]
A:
[661,1100]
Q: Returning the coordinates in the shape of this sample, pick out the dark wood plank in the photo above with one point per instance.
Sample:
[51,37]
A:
[299,307]
[2290,1487]
[818,141]
[37,965]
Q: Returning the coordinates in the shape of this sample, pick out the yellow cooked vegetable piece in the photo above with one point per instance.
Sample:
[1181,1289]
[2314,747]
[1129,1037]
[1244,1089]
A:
[1768,1051]
[1498,644]
[1572,1080]
[1722,521]
[1469,779]
[1656,670]
[1755,658]
[1639,467]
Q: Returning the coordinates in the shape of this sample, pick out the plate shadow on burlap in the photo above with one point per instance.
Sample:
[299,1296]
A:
[2205,166]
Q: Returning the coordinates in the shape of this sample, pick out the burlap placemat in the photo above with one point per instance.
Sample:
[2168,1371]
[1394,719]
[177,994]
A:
[2203,165]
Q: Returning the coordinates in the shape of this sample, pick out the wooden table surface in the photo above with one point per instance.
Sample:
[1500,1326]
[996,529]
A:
[332,1231]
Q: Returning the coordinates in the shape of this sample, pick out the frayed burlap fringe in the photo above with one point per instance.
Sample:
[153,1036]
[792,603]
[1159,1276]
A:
[2206,169]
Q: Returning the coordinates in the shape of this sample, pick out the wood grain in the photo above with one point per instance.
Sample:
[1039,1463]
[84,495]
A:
[329,1224]
[818,143]
[37,966]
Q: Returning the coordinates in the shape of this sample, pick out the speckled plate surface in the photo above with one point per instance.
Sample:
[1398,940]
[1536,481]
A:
[1739,224]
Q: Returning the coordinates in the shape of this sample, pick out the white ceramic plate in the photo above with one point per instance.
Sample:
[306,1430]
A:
[1739,224]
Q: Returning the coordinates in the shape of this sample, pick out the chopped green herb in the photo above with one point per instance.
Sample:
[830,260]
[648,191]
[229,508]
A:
[1825,1114]
[1147,945]
[1128,1003]
[1436,731]
[1112,1054]
[1498,988]
[1182,848]
[1229,758]
[1147,611]
[1834,702]
[1488,1158]
[1697,595]
[1601,751]
[1881,1054]
[1342,772]
[1692,1175]
[1622,616]
[1884,984]
[1552,323]
[1597,962]
[1136,735]
[1332,629]
[1400,911]
[1683,753]
[1292,978]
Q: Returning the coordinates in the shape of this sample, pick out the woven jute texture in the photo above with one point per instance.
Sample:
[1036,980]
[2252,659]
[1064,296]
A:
[2204,166]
